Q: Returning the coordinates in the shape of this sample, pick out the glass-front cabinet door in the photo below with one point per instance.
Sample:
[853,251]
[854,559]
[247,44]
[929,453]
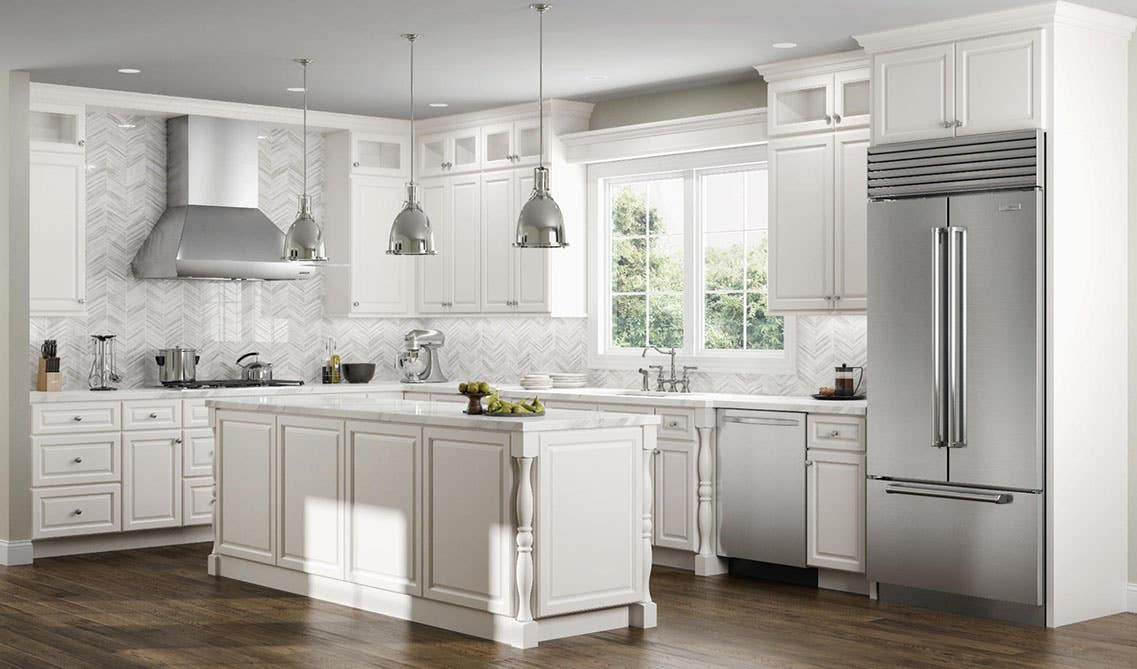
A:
[464,150]
[801,105]
[434,155]
[497,146]
[527,142]
[379,155]
[851,98]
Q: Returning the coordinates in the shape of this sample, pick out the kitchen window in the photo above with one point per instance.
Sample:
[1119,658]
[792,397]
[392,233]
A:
[680,257]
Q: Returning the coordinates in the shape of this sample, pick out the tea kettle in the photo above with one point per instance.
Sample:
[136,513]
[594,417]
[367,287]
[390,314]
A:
[255,370]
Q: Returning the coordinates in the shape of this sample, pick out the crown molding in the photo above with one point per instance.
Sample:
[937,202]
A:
[555,107]
[743,127]
[994,23]
[813,65]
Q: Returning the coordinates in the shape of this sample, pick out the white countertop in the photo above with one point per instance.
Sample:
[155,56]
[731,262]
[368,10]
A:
[439,414]
[607,395]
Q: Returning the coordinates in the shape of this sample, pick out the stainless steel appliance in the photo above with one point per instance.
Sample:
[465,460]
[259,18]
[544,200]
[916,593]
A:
[418,361]
[956,328]
[255,370]
[212,228]
[761,486]
[177,364]
[104,367]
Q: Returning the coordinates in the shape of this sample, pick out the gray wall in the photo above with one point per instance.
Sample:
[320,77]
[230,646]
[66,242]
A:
[679,104]
[15,501]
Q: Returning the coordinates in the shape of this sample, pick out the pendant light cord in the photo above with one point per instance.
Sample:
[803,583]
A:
[411,39]
[305,130]
[541,83]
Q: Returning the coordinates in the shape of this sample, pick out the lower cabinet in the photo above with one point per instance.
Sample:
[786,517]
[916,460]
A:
[835,510]
[73,510]
[676,503]
[247,444]
[384,522]
[310,480]
[197,500]
[152,476]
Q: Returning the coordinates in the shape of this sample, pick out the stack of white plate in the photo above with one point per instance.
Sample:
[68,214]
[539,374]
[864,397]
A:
[536,382]
[569,379]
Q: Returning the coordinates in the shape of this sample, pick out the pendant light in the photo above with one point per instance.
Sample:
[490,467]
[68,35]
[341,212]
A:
[411,234]
[541,224]
[304,241]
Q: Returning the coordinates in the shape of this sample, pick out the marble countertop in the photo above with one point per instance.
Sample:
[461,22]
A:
[438,414]
[585,395]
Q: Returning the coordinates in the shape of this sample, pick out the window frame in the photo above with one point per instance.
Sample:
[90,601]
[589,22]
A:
[688,165]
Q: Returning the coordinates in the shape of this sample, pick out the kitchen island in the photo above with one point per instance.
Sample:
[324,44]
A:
[517,529]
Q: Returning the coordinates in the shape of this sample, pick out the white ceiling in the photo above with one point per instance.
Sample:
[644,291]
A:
[474,54]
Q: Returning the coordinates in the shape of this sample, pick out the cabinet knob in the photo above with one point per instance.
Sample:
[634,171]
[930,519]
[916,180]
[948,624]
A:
[77,419]
[81,301]
[809,463]
[355,164]
[178,440]
[212,500]
[835,433]
[836,118]
[656,451]
[82,142]
[78,512]
[828,119]
[355,304]
[211,454]
[77,460]
[153,415]
[958,123]
[949,124]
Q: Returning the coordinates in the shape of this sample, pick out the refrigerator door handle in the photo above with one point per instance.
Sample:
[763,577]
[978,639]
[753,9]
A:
[990,498]
[957,337]
[939,309]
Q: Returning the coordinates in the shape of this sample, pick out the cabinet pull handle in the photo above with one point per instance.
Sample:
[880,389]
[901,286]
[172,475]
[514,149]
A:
[77,460]
[78,512]
[77,419]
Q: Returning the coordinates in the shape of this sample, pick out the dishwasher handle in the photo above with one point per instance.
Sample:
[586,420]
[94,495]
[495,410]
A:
[776,422]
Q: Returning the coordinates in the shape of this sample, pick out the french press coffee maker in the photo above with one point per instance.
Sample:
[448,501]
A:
[844,385]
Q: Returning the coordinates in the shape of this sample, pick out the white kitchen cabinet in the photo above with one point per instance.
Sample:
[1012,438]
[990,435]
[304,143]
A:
[363,280]
[247,470]
[974,86]
[514,280]
[510,144]
[69,511]
[57,127]
[197,501]
[377,155]
[835,510]
[197,452]
[676,503]
[72,417]
[818,102]
[818,214]
[448,280]
[384,522]
[152,479]
[151,414]
[72,459]
[57,209]
[310,495]
[450,152]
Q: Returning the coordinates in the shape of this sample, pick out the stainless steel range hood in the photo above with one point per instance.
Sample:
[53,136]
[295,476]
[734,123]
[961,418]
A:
[212,228]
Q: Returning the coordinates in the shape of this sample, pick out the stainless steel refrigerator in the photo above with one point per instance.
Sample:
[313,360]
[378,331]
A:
[956,327]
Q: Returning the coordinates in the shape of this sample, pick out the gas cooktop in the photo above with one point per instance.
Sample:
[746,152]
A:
[230,383]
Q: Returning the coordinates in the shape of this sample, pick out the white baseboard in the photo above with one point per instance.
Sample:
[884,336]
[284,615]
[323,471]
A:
[14,553]
[1131,598]
[121,541]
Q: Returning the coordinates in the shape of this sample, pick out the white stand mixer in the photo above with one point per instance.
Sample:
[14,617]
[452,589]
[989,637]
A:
[418,361]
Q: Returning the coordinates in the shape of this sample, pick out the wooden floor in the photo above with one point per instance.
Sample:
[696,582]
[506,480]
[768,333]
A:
[158,607]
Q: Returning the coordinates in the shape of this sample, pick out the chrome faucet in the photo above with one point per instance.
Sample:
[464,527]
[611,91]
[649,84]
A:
[673,384]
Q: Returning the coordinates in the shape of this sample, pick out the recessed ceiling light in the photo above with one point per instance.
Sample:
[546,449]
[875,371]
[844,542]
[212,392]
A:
[127,126]
[784,45]
[295,89]
[439,105]
[596,77]
[129,70]
[262,136]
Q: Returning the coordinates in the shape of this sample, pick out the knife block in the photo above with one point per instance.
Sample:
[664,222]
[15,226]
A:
[49,379]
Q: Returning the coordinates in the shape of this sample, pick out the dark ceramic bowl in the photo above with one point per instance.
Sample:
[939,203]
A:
[358,372]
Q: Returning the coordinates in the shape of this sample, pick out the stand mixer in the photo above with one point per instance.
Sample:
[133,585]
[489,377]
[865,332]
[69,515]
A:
[418,361]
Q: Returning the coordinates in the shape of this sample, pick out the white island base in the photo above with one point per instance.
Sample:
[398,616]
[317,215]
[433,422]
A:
[518,530]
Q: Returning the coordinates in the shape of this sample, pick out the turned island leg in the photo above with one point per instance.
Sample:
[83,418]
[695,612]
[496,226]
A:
[706,562]
[643,614]
[524,540]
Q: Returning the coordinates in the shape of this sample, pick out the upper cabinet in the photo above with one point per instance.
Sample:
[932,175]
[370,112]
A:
[443,153]
[448,280]
[511,144]
[378,155]
[816,94]
[967,87]
[57,209]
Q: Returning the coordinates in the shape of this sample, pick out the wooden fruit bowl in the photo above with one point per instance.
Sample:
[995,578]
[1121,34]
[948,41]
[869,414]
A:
[474,408]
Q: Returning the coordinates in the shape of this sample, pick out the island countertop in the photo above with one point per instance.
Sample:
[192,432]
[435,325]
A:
[441,414]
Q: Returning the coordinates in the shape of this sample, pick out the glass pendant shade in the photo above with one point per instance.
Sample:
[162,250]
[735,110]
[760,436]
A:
[304,240]
[411,234]
[541,224]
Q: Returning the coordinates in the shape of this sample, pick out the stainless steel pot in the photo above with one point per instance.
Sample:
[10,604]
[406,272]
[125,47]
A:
[255,370]
[177,365]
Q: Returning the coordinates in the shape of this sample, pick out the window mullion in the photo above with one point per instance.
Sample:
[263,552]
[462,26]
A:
[692,249]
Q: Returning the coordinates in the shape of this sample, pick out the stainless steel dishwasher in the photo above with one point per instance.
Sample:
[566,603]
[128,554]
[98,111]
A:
[761,486]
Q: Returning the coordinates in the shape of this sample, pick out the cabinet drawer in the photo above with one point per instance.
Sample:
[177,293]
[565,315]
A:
[151,414]
[77,417]
[842,433]
[197,501]
[197,452]
[676,424]
[76,459]
[626,408]
[74,510]
[195,413]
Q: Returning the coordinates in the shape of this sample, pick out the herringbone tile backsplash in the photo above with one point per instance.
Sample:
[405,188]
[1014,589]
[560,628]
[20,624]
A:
[284,321]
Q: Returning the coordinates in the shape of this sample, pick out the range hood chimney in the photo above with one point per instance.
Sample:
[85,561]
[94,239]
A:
[212,228]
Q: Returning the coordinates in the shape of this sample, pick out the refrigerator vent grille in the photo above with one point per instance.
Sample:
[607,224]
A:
[1006,160]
